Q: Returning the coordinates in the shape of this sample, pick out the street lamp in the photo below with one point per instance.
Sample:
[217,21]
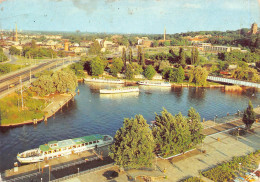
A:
[78,171]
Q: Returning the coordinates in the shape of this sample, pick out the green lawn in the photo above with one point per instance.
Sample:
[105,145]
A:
[11,110]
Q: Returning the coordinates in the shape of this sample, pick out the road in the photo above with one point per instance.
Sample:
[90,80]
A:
[24,75]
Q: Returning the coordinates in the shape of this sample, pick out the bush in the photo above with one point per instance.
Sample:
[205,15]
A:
[193,179]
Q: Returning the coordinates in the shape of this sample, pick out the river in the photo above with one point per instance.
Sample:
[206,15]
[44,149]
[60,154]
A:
[92,113]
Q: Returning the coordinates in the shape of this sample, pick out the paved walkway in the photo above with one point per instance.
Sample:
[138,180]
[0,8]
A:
[219,147]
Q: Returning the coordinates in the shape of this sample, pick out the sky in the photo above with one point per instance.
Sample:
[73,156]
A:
[129,16]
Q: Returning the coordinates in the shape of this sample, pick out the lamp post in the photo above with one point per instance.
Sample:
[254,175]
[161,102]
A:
[78,171]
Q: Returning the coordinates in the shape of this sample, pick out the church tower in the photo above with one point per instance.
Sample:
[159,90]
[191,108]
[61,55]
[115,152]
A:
[254,28]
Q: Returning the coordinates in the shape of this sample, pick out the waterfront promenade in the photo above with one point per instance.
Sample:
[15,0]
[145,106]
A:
[219,147]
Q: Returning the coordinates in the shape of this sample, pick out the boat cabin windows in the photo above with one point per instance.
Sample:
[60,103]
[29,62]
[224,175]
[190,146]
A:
[98,141]
[49,152]
[74,146]
[86,143]
[90,143]
[45,152]
[54,145]
[82,144]
[94,141]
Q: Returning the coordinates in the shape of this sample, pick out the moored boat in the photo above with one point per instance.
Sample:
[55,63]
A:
[155,83]
[102,80]
[119,90]
[56,149]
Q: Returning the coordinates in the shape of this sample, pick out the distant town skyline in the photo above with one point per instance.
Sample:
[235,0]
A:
[129,16]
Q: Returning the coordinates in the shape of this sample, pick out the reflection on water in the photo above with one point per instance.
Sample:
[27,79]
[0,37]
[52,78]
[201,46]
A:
[92,113]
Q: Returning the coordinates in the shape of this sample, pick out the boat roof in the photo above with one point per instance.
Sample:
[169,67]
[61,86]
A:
[69,142]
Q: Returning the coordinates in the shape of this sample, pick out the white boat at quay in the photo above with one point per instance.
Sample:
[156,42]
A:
[56,149]
[119,90]
[155,83]
[103,80]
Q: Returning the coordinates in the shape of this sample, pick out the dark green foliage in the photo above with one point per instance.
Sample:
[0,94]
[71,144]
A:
[235,56]
[139,55]
[95,48]
[38,52]
[133,144]
[194,122]
[149,72]
[177,134]
[60,81]
[77,68]
[177,75]
[117,66]
[249,115]
[198,75]
[194,56]
[14,51]
[124,57]
[130,55]
[129,72]
[182,57]
[97,66]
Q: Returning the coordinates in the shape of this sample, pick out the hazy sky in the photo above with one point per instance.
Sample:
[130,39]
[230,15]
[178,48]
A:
[129,16]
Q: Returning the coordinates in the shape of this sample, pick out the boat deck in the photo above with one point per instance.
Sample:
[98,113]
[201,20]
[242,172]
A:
[55,162]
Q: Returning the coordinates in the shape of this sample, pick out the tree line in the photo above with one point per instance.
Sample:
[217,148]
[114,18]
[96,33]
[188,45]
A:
[136,143]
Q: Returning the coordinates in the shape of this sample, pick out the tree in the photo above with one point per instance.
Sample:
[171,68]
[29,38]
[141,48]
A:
[142,60]
[95,48]
[195,127]
[182,58]
[14,51]
[3,57]
[130,55]
[97,66]
[249,115]
[139,55]
[44,85]
[149,72]
[177,75]
[129,72]
[196,56]
[124,57]
[133,144]
[117,66]
[65,81]
[171,133]
[137,68]
[33,44]
[198,75]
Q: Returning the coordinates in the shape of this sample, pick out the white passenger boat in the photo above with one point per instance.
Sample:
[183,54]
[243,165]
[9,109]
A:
[56,149]
[119,90]
[102,80]
[155,83]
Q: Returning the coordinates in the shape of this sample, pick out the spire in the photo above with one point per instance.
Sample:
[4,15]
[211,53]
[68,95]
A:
[164,37]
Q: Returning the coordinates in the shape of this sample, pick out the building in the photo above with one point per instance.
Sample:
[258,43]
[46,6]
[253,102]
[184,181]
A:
[253,28]
[208,47]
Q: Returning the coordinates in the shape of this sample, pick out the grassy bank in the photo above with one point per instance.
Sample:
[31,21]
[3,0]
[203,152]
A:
[12,112]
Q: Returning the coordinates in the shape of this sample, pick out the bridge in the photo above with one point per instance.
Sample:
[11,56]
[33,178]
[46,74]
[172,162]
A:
[233,81]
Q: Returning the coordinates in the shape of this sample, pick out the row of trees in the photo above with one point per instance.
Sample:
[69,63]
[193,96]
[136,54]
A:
[61,81]
[235,56]
[135,143]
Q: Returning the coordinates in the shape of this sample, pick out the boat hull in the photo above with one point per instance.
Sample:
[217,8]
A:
[155,84]
[103,81]
[109,91]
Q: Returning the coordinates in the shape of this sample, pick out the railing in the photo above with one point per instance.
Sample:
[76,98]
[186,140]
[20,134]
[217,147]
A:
[83,172]
[232,81]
